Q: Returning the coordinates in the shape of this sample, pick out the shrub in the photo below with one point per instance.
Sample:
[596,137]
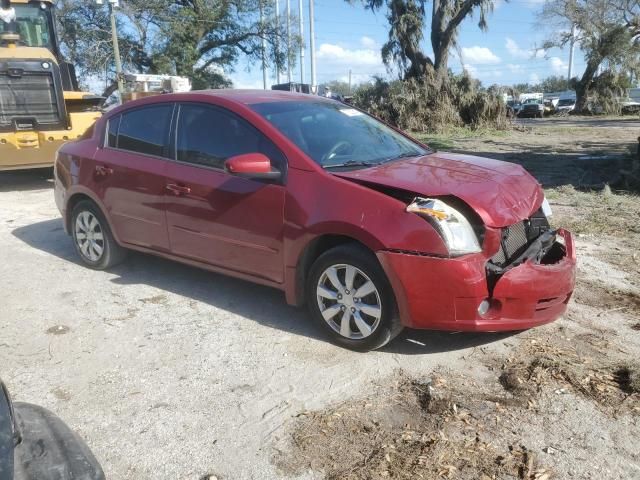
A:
[429,105]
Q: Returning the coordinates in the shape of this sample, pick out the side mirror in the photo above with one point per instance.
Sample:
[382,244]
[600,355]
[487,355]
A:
[252,165]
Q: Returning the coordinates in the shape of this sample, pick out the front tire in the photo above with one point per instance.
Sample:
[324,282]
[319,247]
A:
[349,295]
[92,237]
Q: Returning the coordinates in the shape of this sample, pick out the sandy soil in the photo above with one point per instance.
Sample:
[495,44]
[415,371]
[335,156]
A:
[171,372]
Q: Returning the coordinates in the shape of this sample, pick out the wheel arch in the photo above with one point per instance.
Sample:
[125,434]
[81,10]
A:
[296,290]
[76,198]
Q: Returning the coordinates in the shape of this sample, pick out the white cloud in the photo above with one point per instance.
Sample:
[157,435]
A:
[534,78]
[515,68]
[368,42]
[515,51]
[471,70]
[558,65]
[240,82]
[337,55]
[479,56]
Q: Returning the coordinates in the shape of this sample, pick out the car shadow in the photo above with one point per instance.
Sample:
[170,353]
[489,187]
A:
[261,304]
[25,180]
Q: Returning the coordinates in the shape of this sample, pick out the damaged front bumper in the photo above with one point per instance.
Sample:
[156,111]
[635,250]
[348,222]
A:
[445,293]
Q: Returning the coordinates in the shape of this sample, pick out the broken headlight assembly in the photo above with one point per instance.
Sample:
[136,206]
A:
[453,227]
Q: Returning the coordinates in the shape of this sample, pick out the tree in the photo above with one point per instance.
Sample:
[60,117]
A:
[407,20]
[554,83]
[608,31]
[198,39]
[85,38]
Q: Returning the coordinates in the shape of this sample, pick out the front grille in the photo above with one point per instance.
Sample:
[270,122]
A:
[517,237]
[28,97]
[514,239]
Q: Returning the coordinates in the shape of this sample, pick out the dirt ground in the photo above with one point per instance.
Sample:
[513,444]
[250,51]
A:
[172,372]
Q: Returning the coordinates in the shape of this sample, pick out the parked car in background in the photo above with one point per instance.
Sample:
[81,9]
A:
[549,108]
[629,106]
[532,107]
[367,226]
[513,107]
[566,105]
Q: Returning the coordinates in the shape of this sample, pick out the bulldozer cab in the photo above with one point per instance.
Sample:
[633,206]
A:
[41,106]
[33,24]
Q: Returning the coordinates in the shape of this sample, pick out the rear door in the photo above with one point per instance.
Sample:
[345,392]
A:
[130,174]
[215,217]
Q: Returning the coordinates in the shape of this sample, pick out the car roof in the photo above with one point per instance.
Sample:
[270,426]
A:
[249,97]
[242,97]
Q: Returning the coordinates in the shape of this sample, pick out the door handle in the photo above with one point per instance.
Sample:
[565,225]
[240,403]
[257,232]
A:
[103,171]
[178,189]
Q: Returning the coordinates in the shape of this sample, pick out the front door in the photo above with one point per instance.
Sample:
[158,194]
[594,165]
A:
[130,174]
[215,217]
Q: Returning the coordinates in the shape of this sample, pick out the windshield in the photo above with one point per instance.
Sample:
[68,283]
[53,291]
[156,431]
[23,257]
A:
[32,25]
[336,135]
[566,102]
[532,100]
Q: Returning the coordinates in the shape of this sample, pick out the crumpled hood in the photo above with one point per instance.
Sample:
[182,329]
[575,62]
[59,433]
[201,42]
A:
[501,193]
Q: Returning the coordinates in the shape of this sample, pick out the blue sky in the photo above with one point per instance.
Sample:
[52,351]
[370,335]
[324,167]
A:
[347,36]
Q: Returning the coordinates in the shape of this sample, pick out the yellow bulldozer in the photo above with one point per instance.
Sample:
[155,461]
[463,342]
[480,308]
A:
[41,105]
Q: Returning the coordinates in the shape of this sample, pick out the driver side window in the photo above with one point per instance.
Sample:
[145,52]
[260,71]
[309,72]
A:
[208,136]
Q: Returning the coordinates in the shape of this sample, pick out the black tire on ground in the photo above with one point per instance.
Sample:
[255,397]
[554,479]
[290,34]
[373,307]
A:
[111,253]
[389,325]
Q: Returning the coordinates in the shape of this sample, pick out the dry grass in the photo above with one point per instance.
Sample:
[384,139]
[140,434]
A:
[412,429]
[582,364]
[596,212]
[430,106]
[450,426]
[608,299]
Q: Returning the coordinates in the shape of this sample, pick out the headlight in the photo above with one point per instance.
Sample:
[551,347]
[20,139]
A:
[454,228]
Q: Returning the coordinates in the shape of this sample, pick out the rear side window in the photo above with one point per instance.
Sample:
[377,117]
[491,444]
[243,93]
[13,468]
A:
[112,131]
[209,135]
[145,130]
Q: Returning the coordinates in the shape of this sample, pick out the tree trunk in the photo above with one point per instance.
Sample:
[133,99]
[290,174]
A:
[584,85]
[440,51]
[113,86]
[441,61]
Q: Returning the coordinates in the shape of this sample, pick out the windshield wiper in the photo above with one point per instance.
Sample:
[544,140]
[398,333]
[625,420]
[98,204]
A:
[402,155]
[351,163]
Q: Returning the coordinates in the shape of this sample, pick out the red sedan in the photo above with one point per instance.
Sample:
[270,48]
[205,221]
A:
[370,228]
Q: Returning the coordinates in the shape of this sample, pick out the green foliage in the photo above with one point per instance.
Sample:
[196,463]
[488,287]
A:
[554,83]
[608,31]
[198,39]
[606,91]
[407,20]
[429,105]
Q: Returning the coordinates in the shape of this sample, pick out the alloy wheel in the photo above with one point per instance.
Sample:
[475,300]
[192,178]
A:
[89,236]
[349,301]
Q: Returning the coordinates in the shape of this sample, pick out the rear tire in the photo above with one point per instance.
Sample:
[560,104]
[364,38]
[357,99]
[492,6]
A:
[92,237]
[348,294]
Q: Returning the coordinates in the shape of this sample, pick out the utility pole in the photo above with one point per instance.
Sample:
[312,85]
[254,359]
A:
[571,48]
[277,46]
[263,52]
[312,44]
[301,27]
[288,41]
[349,81]
[113,4]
